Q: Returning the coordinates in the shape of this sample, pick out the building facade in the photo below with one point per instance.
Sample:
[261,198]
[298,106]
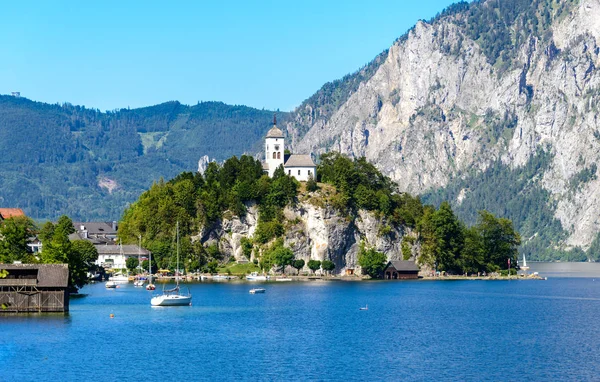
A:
[299,166]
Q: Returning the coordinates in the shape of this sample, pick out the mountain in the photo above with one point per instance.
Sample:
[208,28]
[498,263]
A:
[65,159]
[491,105]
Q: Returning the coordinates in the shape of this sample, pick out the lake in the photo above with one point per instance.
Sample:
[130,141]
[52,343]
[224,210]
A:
[413,330]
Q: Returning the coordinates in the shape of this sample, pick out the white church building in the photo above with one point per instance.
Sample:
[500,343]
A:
[299,166]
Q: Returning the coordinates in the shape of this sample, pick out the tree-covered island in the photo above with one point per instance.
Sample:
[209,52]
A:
[347,191]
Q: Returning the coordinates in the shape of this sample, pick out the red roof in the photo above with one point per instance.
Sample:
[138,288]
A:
[7,213]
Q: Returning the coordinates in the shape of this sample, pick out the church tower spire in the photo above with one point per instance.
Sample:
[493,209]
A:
[274,147]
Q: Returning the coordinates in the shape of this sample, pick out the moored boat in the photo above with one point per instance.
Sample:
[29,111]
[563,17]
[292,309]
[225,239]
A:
[254,276]
[110,284]
[173,297]
[257,290]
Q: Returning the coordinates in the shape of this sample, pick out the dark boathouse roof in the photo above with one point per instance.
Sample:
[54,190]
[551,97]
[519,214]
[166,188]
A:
[403,265]
[46,275]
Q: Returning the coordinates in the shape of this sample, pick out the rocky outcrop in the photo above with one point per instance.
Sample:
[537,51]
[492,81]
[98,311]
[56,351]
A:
[431,110]
[314,233]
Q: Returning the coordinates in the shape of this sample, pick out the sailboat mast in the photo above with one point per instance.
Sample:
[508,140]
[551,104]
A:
[177,271]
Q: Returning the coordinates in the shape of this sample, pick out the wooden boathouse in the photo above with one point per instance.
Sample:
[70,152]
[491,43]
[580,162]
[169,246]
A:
[34,288]
[400,270]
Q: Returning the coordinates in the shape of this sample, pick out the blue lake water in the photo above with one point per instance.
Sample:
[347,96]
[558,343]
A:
[413,330]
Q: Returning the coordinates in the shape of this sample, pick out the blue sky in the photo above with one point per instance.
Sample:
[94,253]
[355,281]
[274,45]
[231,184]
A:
[265,54]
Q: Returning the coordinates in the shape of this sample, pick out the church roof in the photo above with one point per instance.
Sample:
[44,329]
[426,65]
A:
[299,160]
[275,132]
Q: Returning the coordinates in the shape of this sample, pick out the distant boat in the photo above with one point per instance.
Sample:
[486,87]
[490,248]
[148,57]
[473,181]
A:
[366,307]
[524,266]
[257,290]
[110,284]
[150,286]
[254,276]
[173,297]
[119,278]
[139,283]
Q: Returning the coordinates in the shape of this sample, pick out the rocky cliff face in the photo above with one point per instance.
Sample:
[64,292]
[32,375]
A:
[316,233]
[437,108]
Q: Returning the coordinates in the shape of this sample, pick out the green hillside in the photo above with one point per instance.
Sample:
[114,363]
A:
[65,159]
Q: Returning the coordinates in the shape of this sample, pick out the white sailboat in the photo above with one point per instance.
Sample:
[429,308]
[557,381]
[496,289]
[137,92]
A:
[119,277]
[139,282]
[524,266]
[173,297]
[150,286]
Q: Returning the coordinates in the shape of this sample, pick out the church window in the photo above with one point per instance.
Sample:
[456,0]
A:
[309,173]
[289,172]
[274,155]
[298,172]
[279,155]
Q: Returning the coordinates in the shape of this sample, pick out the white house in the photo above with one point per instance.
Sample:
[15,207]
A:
[299,166]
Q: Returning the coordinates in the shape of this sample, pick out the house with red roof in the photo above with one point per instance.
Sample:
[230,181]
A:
[7,213]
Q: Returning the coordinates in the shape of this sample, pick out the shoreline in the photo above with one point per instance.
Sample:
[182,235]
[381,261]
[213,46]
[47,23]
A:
[287,278]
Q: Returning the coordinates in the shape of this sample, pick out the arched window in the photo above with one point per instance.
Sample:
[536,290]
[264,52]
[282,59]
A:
[274,155]
[279,155]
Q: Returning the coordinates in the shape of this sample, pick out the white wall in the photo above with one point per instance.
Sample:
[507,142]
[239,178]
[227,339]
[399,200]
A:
[303,173]
[274,145]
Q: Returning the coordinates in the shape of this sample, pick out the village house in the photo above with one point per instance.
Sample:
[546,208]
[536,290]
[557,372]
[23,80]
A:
[7,213]
[104,237]
[300,166]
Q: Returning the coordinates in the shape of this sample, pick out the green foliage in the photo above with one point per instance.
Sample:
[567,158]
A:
[314,265]
[15,233]
[196,200]
[80,255]
[247,247]
[131,263]
[72,149]
[328,266]
[311,184]
[516,195]
[211,266]
[360,185]
[501,28]
[298,264]
[371,261]
[277,255]
[449,246]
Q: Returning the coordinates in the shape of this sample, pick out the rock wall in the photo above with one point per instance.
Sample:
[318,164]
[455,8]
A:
[314,233]
[421,118]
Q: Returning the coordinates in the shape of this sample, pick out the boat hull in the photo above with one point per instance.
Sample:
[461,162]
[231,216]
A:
[171,300]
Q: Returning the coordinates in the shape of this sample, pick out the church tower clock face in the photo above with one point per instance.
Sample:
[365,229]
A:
[276,147]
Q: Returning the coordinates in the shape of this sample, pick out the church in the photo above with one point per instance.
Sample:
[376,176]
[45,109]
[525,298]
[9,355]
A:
[299,166]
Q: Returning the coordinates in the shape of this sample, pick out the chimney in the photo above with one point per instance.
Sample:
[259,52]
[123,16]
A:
[114,226]
[82,227]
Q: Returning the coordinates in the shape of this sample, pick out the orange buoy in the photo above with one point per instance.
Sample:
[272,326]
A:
[112,315]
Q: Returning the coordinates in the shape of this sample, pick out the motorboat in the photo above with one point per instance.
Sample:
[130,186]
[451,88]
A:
[257,290]
[119,278]
[254,276]
[366,307]
[110,284]
[139,283]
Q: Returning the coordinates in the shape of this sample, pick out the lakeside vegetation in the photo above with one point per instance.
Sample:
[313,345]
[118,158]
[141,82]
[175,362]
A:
[80,255]
[200,201]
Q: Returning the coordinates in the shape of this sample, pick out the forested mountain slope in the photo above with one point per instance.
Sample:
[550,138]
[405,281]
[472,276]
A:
[489,101]
[65,159]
